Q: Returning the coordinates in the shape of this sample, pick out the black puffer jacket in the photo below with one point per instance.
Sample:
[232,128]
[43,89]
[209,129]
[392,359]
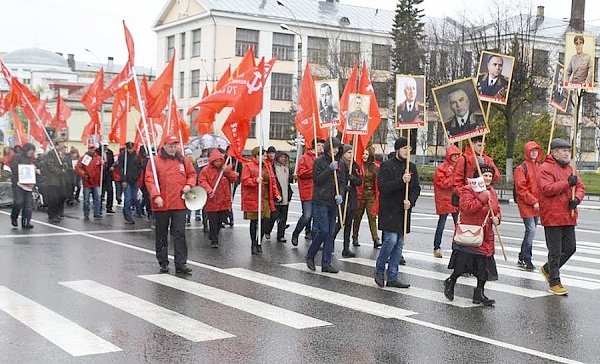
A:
[355,180]
[134,167]
[391,194]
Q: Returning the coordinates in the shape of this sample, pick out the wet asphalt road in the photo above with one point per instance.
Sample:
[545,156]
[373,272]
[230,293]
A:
[90,292]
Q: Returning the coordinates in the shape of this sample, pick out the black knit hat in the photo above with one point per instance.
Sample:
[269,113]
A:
[401,142]
[484,168]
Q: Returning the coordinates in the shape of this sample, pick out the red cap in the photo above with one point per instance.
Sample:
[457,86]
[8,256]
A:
[171,139]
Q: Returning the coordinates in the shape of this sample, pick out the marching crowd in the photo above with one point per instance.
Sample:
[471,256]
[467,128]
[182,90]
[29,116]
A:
[336,189]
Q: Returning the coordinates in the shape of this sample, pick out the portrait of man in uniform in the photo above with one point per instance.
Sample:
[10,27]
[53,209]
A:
[580,51]
[560,95]
[461,110]
[410,101]
[493,80]
[329,101]
[358,118]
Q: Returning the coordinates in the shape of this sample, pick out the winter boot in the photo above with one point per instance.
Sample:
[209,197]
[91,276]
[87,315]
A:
[478,297]
[449,288]
[491,301]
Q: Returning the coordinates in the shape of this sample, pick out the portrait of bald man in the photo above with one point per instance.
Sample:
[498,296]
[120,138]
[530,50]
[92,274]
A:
[465,118]
[411,109]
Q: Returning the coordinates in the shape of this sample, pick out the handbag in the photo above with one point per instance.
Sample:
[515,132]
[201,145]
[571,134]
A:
[469,235]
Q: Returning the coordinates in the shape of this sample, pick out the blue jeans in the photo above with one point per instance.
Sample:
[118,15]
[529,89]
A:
[130,199]
[323,227]
[439,231]
[304,220]
[530,225]
[95,193]
[391,249]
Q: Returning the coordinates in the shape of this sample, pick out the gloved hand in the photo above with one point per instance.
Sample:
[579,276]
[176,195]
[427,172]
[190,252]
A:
[333,165]
[573,203]
[572,180]
[339,199]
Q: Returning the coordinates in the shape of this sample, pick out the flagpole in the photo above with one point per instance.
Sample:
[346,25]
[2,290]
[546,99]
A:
[43,128]
[260,174]
[552,129]
[127,113]
[335,176]
[354,147]
[406,170]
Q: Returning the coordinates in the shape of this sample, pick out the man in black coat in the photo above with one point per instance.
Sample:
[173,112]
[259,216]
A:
[348,190]
[392,182]
[325,207]
[130,168]
[107,177]
[55,173]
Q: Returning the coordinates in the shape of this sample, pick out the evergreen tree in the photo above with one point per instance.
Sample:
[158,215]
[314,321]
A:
[408,35]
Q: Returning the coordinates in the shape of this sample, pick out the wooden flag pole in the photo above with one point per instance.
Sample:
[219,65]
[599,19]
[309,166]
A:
[407,170]
[552,128]
[335,177]
[495,227]
[354,147]
[574,142]
[260,175]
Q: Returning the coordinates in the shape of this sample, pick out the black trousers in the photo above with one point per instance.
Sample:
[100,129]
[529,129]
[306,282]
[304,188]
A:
[107,187]
[175,219]
[254,229]
[22,202]
[560,241]
[347,227]
[54,198]
[282,215]
[214,222]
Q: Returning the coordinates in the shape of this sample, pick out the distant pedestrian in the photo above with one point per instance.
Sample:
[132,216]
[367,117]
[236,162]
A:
[130,169]
[88,167]
[22,193]
[558,210]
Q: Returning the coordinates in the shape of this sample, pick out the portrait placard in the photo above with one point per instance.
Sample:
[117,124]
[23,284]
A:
[580,53]
[26,174]
[358,114]
[410,102]
[86,159]
[328,96]
[560,96]
[494,76]
[460,110]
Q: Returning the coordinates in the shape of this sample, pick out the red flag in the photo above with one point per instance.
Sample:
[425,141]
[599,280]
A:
[2,108]
[130,46]
[91,128]
[118,125]
[308,109]
[366,87]
[20,134]
[63,112]
[38,120]
[344,100]
[247,63]
[92,99]
[237,134]
[176,125]
[158,93]
[204,118]
[225,77]
[123,78]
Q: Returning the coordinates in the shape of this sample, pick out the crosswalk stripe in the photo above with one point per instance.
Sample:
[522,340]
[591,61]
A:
[172,321]
[252,306]
[471,281]
[574,281]
[368,281]
[338,299]
[577,258]
[60,331]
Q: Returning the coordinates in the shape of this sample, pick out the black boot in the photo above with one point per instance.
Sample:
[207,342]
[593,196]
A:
[449,288]
[259,247]
[25,224]
[478,297]
[491,301]
[255,248]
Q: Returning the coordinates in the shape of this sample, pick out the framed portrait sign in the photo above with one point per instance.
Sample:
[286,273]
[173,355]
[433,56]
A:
[328,97]
[26,174]
[460,110]
[559,98]
[580,53]
[358,114]
[494,76]
[410,102]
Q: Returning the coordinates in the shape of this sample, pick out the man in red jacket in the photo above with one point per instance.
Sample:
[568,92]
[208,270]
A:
[558,210]
[88,167]
[526,192]
[443,182]
[176,176]
[218,203]
[305,187]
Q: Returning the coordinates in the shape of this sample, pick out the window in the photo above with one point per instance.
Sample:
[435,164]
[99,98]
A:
[281,126]
[195,85]
[170,47]
[540,63]
[181,85]
[283,46]
[317,50]
[281,86]
[382,93]
[588,139]
[196,43]
[349,53]
[182,46]
[244,39]
[381,57]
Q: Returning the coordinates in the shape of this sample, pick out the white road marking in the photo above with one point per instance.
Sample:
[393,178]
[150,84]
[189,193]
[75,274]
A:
[60,331]
[369,282]
[169,320]
[471,281]
[249,305]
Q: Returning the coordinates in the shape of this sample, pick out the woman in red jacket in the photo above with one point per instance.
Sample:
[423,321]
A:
[250,182]
[218,203]
[368,169]
[474,209]
[443,183]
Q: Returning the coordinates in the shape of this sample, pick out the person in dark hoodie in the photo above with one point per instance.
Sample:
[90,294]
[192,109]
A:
[130,168]
[392,181]
[22,196]
[55,171]
[325,209]
[348,191]
[107,180]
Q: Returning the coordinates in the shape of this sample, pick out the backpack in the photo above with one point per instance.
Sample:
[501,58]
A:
[514,185]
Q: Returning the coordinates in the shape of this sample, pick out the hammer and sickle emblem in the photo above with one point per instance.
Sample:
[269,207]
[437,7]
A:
[256,83]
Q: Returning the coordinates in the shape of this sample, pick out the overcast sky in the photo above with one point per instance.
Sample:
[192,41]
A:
[71,26]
